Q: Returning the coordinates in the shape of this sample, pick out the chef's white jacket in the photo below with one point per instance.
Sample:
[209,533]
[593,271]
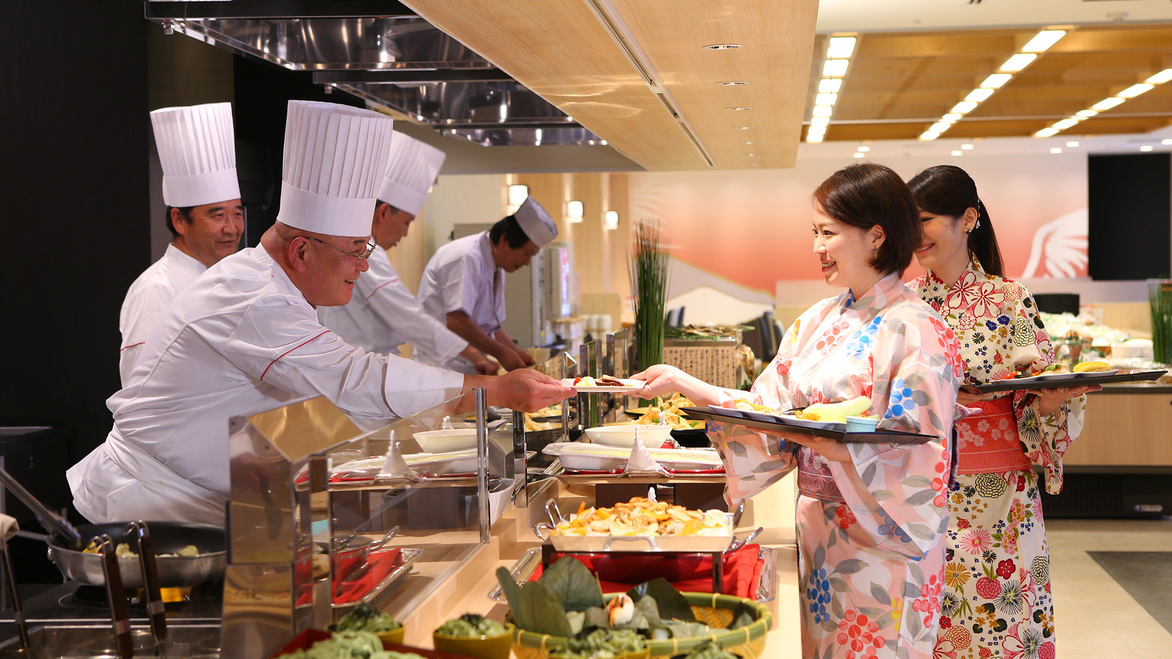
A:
[241,339]
[146,300]
[383,314]
[463,277]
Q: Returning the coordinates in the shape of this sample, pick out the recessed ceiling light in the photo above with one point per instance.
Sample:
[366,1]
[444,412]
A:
[731,83]
[978,95]
[829,85]
[1072,144]
[860,154]
[819,120]
[956,153]
[813,138]
[721,46]
[834,68]
[864,149]
[821,111]
[1017,62]
[1043,40]
[1166,142]
[752,155]
[1160,78]
[825,99]
[1056,149]
[951,117]
[1086,114]
[964,107]
[746,128]
[1065,123]
[816,130]
[840,47]
[740,108]
[966,147]
[940,127]
[1046,132]
[929,135]
[750,142]
[1146,147]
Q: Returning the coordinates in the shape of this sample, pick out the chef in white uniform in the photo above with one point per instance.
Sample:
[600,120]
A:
[197,152]
[245,337]
[464,285]
[383,313]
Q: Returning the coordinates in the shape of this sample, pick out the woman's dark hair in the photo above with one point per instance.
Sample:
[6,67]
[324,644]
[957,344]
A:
[870,194]
[949,190]
[508,227]
[184,212]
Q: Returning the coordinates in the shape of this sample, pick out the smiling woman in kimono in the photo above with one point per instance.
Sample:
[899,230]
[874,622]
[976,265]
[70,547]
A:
[870,517]
[997,598]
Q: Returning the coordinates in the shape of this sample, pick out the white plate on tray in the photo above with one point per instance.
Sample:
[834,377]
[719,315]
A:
[439,464]
[576,456]
[628,386]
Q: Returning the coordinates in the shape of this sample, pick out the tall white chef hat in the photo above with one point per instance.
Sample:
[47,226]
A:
[536,223]
[410,173]
[335,156]
[197,150]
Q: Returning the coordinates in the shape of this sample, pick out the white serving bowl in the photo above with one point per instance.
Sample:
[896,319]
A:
[445,441]
[624,435]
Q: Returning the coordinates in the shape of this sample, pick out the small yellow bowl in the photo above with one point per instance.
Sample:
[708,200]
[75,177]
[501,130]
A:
[394,636]
[482,647]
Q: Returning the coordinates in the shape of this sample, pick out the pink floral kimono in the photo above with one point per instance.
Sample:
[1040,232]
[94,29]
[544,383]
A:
[997,600]
[870,533]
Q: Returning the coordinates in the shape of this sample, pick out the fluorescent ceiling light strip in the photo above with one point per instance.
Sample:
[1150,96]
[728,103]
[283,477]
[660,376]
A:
[1046,132]
[825,99]
[1160,78]
[964,107]
[1043,40]
[996,80]
[829,85]
[1107,103]
[1136,90]
[1017,62]
[613,23]
[834,68]
[813,138]
[840,47]
[978,95]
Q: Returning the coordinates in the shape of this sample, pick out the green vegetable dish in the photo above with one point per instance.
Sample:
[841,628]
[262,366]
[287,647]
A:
[365,618]
[599,644]
[471,625]
[709,650]
[351,645]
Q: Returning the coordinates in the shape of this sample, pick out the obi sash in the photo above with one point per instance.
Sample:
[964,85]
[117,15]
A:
[814,477]
[988,441]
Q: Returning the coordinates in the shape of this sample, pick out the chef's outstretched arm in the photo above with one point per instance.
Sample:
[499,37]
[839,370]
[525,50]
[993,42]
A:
[523,389]
[460,323]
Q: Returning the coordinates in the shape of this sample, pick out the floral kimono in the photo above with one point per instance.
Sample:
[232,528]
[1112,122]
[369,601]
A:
[870,532]
[997,600]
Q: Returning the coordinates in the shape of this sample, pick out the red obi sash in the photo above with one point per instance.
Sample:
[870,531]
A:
[988,442]
[814,477]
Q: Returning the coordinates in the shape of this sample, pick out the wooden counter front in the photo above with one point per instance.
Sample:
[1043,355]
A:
[1129,426]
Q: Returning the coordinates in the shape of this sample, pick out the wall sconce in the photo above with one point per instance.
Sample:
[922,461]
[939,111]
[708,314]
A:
[610,219]
[574,211]
[518,193]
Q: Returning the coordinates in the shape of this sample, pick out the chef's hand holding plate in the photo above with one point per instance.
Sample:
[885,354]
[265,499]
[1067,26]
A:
[523,389]
[663,380]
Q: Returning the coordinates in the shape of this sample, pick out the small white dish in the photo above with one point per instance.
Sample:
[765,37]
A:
[861,423]
[446,441]
[624,435]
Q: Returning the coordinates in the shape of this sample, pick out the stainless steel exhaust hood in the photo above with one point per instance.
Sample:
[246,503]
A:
[398,62]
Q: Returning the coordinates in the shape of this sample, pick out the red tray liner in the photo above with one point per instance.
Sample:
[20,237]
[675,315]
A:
[381,564]
[686,572]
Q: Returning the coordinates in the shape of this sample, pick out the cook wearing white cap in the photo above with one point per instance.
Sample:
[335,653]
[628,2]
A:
[197,151]
[383,313]
[463,284]
[245,337]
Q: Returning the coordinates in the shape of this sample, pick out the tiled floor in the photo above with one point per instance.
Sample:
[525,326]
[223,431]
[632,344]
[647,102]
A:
[1095,617]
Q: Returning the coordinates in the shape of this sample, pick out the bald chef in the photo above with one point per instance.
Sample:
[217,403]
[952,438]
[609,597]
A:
[245,337]
[463,284]
[197,151]
[383,313]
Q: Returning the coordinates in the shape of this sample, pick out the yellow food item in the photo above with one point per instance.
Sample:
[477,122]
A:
[836,412]
[1091,367]
[641,516]
[122,550]
[748,406]
[669,410]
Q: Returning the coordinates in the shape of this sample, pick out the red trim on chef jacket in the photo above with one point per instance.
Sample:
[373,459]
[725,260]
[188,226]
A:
[132,345]
[262,375]
[376,288]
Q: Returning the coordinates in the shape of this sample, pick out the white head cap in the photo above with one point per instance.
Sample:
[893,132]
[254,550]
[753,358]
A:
[197,150]
[536,223]
[334,157]
[410,173]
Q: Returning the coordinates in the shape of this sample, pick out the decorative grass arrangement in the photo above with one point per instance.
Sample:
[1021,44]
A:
[648,266]
[1160,297]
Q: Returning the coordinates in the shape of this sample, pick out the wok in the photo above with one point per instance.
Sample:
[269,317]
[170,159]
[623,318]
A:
[169,538]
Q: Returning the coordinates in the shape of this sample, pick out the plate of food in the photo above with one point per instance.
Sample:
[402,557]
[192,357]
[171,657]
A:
[1084,374]
[577,456]
[603,384]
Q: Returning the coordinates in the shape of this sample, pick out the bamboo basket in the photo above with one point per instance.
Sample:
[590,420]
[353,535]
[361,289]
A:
[712,609]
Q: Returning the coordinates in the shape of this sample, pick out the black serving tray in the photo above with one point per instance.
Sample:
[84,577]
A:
[723,415]
[1067,380]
